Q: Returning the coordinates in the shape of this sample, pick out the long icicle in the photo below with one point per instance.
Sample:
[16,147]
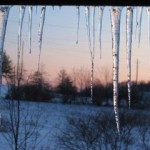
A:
[4,13]
[139,24]
[136,21]
[40,33]
[115,21]
[92,50]
[148,13]
[30,27]
[22,13]
[87,16]
[101,9]
[129,30]
[78,13]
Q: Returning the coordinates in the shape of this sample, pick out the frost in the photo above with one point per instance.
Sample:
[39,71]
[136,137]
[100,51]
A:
[30,27]
[78,13]
[148,13]
[101,9]
[40,33]
[129,30]
[115,23]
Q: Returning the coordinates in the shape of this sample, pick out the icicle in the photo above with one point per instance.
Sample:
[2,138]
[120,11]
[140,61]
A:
[129,30]
[87,15]
[30,27]
[40,33]
[136,21]
[21,70]
[92,50]
[115,21]
[4,13]
[139,22]
[92,55]
[93,21]
[22,12]
[148,13]
[101,9]
[78,13]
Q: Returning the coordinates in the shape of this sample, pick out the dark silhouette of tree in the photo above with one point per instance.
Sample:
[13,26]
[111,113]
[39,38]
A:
[36,89]
[7,67]
[65,86]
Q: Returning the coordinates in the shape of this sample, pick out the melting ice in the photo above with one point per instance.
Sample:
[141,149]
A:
[115,23]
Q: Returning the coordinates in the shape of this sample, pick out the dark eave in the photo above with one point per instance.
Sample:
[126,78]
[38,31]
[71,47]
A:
[78,2]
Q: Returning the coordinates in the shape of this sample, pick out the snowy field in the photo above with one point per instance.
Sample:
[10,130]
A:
[52,118]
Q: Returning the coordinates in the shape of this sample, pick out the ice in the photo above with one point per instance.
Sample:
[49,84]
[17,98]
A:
[87,15]
[129,31]
[21,17]
[30,27]
[93,21]
[4,13]
[40,33]
[92,54]
[101,9]
[22,12]
[115,23]
[78,13]
[139,22]
[148,13]
[22,58]
[136,21]
[92,49]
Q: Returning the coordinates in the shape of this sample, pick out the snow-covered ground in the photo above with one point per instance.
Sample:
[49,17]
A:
[52,118]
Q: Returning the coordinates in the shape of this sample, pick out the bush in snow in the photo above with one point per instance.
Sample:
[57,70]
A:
[98,132]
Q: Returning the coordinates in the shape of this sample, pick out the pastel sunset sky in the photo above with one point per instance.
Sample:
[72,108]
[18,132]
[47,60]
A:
[59,48]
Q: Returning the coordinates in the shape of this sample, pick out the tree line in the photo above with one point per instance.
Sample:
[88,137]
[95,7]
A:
[71,87]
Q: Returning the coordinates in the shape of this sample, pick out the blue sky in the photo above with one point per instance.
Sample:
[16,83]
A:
[59,48]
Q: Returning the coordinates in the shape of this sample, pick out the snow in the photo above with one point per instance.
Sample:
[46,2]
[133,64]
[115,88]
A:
[53,118]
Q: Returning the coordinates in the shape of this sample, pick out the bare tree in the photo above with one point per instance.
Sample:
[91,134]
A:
[81,79]
[21,123]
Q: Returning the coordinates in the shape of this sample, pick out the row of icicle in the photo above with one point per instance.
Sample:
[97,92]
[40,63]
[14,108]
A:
[115,26]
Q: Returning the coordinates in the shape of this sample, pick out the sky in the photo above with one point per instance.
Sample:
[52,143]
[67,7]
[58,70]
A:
[59,48]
